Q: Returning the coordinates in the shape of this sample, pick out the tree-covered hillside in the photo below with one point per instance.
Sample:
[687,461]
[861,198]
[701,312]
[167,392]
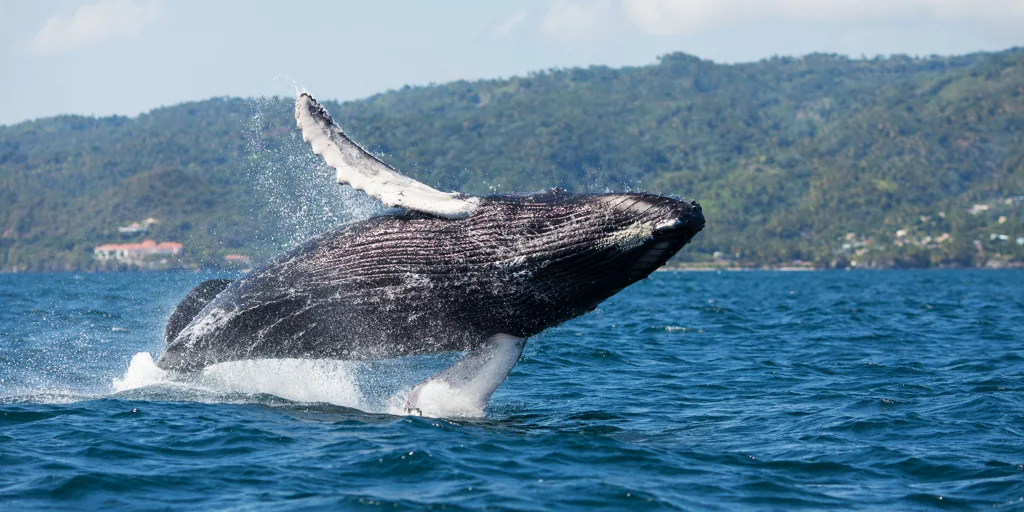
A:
[823,159]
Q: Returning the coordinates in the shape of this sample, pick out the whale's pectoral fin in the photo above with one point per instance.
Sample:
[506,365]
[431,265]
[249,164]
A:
[472,379]
[361,170]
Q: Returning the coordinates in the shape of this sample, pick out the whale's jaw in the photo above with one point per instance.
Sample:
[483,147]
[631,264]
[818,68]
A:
[616,240]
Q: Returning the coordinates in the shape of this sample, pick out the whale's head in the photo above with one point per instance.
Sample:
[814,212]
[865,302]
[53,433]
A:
[643,231]
[578,250]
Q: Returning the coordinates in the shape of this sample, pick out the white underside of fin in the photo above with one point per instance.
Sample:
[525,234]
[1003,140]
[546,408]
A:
[464,388]
[363,171]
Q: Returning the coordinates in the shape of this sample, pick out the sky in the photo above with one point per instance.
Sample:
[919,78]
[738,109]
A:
[104,57]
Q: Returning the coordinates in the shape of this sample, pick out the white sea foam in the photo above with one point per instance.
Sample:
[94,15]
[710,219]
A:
[319,381]
[142,371]
[376,388]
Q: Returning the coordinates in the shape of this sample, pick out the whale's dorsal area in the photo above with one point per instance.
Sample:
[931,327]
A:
[361,170]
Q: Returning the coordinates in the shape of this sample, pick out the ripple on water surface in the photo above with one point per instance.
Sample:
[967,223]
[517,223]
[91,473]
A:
[756,390]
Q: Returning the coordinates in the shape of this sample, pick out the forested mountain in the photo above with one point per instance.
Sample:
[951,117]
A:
[824,159]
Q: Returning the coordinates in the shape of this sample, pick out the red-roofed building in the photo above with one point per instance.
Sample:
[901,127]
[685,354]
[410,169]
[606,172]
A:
[136,253]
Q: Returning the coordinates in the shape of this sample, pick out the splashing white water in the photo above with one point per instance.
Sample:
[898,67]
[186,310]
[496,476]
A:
[311,381]
[332,382]
[142,371]
[291,182]
[381,387]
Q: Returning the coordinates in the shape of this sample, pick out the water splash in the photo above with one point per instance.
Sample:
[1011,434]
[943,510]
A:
[142,371]
[374,387]
[296,192]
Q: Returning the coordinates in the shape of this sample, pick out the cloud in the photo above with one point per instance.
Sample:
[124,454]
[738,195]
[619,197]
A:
[577,20]
[100,21]
[667,17]
[509,24]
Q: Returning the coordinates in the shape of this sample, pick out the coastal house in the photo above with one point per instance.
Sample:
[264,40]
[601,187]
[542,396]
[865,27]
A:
[137,227]
[136,253]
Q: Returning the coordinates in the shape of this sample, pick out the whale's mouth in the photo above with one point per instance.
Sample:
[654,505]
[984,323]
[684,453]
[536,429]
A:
[686,221]
[654,257]
[667,238]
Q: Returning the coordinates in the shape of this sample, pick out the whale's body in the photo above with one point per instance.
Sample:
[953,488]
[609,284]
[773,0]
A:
[449,273]
[408,284]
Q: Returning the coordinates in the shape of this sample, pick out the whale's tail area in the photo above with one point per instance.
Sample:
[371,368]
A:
[192,304]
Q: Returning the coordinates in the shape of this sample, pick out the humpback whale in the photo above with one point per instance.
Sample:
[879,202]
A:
[443,272]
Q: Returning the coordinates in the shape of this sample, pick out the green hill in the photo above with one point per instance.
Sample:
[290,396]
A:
[822,159]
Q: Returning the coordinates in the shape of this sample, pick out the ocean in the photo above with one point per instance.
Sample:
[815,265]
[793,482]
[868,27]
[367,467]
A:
[865,390]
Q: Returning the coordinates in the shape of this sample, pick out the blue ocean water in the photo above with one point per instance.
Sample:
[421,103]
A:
[705,391]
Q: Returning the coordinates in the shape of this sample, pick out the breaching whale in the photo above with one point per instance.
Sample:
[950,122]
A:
[446,272]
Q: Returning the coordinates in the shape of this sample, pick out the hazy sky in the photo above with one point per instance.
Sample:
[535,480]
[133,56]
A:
[127,56]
